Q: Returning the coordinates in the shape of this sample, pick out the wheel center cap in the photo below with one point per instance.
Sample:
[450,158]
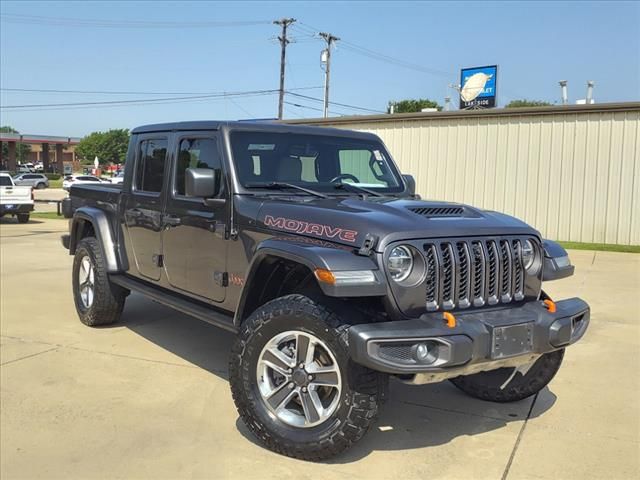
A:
[300,377]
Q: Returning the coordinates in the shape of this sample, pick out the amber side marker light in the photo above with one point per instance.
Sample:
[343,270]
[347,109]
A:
[551,306]
[449,319]
[325,276]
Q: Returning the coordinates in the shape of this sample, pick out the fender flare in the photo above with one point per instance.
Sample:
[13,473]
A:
[102,228]
[314,257]
[556,262]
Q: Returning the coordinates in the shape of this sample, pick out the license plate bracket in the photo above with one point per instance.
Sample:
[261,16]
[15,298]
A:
[511,340]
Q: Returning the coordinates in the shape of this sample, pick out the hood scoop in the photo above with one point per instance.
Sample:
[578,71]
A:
[439,211]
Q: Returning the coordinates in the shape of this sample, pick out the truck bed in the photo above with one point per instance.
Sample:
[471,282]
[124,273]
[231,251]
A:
[85,195]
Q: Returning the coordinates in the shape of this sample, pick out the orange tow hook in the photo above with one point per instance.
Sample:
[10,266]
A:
[551,306]
[449,319]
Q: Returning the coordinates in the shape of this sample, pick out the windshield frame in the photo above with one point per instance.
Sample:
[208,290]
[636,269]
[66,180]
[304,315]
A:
[227,132]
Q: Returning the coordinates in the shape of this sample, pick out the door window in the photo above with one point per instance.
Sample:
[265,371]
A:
[152,156]
[195,153]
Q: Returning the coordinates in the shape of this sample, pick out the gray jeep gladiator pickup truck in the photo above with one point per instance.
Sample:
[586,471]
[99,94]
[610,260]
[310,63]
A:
[311,246]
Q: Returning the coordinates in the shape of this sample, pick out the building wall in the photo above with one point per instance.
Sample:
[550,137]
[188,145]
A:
[573,173]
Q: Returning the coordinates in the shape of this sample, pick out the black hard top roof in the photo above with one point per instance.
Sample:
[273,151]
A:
[258,126]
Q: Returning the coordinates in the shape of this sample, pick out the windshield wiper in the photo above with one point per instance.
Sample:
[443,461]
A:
[356,189]
[282,186]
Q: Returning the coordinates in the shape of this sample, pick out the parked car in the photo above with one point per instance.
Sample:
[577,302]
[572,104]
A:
[35,180]
[15,200]
[118,178]
[311,247]
[79,179]
[24,168]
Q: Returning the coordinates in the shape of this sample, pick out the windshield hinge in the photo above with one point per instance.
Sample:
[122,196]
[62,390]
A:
[368,245]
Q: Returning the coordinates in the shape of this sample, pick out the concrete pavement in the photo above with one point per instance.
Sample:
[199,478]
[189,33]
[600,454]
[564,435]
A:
[149,398]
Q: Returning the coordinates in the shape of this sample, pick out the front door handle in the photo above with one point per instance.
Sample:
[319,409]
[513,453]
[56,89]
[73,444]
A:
[171,221]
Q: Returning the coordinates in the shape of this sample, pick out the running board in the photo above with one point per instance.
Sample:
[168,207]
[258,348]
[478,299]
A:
[177,302]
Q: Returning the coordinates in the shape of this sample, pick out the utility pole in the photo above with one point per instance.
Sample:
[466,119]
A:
[330,39]
[284,23]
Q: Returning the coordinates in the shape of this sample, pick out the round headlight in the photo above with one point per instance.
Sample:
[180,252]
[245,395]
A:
[400,263]
[528,254]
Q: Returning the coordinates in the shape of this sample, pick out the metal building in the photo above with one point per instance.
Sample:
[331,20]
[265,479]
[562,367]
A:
[571,171]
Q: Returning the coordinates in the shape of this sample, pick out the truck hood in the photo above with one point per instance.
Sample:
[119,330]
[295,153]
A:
[350,220]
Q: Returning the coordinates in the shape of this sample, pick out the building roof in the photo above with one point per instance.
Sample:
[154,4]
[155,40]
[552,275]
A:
[35,139]
[487,112]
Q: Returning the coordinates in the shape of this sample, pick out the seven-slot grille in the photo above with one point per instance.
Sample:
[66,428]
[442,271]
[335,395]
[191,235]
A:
[465,273]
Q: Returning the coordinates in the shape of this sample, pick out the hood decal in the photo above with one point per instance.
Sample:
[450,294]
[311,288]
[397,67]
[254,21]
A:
[308,228]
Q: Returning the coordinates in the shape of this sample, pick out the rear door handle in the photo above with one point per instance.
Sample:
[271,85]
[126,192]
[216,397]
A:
[171,220]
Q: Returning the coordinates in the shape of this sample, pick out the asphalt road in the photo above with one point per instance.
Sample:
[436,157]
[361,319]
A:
[149,398]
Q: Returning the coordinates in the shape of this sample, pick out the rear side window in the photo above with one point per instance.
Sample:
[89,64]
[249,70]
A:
[5,182]
[195,153]
[152,156]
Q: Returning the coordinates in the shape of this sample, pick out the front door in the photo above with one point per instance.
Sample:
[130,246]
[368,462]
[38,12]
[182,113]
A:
[143,207]
[194,244]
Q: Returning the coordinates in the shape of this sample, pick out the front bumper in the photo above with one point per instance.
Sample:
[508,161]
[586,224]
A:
[480,341]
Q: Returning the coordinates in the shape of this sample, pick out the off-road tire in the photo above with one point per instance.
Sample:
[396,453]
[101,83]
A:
[486,385]
[23,217]
[362,389]
[108,300]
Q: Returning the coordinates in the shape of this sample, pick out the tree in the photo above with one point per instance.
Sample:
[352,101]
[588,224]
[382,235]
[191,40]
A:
[408,106]
[110,146]
[22,149]
[527,103]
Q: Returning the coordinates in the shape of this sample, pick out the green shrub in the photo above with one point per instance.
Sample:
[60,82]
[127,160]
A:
[53,176]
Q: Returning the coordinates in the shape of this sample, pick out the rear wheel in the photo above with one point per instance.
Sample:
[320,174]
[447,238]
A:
[97,300]
[294,384]
[40,186]
[512,384]
[23,217]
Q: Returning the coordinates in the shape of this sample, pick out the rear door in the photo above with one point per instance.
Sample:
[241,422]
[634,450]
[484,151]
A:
[144,205]
[194,244]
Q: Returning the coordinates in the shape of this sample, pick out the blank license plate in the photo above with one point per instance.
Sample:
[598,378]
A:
[512,340]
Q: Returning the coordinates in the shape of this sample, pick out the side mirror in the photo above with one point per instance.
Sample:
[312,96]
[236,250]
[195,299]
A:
[201,182]
[410,182]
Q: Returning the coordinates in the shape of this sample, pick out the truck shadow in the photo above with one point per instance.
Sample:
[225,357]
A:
[413,417]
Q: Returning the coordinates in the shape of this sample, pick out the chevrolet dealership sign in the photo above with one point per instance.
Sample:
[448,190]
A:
[478,87]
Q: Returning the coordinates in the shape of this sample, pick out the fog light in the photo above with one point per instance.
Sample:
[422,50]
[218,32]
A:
[422,352]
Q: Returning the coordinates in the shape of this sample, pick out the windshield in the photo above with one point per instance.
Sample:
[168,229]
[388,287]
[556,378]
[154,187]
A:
[5,181]
[317,162]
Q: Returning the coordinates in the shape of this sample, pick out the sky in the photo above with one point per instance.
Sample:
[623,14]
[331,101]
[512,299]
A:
[162,50]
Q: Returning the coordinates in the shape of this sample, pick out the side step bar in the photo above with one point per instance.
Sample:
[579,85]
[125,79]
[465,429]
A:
[177,302]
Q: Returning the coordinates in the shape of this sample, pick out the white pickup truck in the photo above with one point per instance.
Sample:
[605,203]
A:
[15,200]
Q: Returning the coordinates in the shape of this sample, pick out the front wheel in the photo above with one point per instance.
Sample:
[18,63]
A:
[23,217]
[293,382]
[98,301]
[512,384]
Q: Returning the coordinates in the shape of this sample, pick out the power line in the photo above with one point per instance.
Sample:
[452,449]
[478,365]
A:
[128,105]
[101,23]
[148,100]
[298,105]
[115,92]
[367,52]
[355,107]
